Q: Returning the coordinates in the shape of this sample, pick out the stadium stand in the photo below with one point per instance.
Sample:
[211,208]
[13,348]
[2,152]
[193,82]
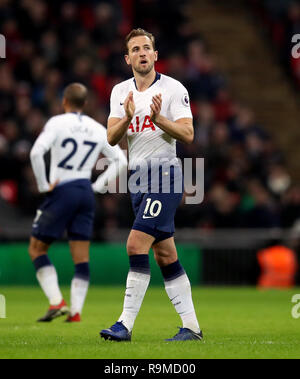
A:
[281,20]
[50,44]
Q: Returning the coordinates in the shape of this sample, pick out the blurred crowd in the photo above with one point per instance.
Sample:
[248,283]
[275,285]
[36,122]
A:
[51,44]
[281,18]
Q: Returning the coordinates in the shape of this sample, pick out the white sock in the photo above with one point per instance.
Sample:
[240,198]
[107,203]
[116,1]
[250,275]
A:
[79,288]
[136,287]
[180,294]
[47,278]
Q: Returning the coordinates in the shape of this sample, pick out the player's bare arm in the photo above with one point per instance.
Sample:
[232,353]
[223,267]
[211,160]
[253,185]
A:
[181,129]
[116,127]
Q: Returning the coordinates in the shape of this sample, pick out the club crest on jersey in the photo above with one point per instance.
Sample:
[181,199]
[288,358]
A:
[185,100]
[140,127]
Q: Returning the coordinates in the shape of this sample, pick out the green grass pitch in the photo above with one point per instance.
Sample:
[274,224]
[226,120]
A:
[237,323]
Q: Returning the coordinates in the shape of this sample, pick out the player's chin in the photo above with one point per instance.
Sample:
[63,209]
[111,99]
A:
[144,69]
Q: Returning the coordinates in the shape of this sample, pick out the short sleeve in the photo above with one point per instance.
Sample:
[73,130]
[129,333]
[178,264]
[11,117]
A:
[180,103]
[116,108]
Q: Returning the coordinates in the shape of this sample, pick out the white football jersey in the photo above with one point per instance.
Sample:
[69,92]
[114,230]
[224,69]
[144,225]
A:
[145,139]
[75,142]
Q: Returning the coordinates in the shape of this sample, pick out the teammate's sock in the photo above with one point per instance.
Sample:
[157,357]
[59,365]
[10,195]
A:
[79,287]
[47,278]
[136,286]
[178,288]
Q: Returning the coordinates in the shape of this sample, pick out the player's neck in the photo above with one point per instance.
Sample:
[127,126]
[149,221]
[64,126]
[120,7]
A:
[143,82]
[71,110]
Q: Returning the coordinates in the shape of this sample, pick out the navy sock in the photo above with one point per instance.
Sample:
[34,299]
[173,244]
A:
[172,271]
[42,261]
[140,263]
[82,271]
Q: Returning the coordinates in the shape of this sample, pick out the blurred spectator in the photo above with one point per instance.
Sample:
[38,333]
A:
[264,212]
[203,79]
[224,208]
[291,207]
[51,44]
[282,20]
[105,31]
[278,180]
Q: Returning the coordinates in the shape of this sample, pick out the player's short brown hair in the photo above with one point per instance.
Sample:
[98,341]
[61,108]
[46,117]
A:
[139,32]
[76,95]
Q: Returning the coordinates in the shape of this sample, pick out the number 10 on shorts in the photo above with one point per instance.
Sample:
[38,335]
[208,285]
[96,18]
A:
[153,207]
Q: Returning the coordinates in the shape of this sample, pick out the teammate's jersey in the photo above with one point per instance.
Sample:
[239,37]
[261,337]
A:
[145,139]
[75,141]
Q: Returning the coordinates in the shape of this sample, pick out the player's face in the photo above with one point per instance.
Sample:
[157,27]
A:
[141,55]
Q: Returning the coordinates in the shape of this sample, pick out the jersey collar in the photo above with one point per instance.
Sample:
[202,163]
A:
[157,77]
[79,114]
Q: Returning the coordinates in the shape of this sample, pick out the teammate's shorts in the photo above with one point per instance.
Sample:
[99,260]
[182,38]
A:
[155,210]
[70,207]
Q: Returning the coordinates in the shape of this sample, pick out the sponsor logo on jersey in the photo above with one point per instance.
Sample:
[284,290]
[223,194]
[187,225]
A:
[140,127]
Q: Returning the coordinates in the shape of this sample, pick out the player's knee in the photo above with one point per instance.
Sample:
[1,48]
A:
[160,259]
[133,248]
[35,253]
[36,249]
[164,257]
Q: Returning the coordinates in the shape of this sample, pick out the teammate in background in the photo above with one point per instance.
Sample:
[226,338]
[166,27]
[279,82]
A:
[154,111]
[75,141]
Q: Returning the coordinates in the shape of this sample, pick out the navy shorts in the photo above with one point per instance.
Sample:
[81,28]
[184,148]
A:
[155,210]
[70,207]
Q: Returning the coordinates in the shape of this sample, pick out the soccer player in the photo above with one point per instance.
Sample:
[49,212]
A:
[75,141]
[154,111]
